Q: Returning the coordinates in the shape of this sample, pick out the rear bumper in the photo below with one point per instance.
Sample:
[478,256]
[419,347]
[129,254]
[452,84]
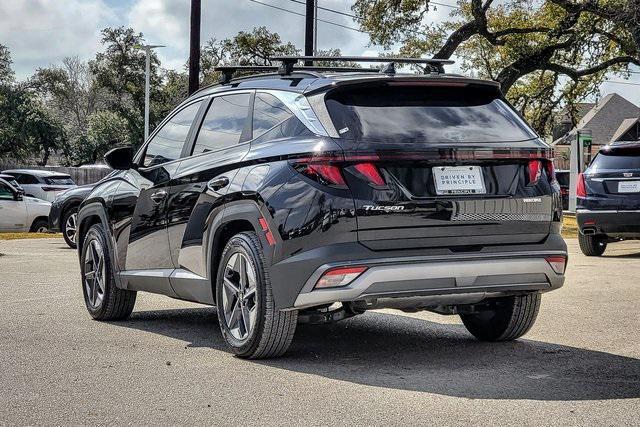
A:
[442,275]
[619,223]
[475,278]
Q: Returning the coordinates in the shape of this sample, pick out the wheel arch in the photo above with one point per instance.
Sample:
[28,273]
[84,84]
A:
[36,219]
[239,216]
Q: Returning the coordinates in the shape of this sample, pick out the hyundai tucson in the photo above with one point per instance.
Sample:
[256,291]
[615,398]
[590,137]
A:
[311,194]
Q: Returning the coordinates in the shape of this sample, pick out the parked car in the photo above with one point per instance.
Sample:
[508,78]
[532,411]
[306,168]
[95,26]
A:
[312,195]
[64,212]
[41,184]
[608,198]
[12,181]
[19,213]
[562,176]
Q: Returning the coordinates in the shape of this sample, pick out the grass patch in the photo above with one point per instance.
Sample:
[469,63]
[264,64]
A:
[569,227]
[16,236]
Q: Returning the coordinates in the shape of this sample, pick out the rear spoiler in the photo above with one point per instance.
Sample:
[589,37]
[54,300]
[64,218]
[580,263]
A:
[436,80]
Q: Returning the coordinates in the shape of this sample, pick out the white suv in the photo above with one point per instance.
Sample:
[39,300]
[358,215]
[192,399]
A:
[19,213]
[42,184]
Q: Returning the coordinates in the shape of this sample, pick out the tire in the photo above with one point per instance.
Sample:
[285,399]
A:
[69,219]
[592,245]
[509,319]
[109,302]
[262,331]
[40,226]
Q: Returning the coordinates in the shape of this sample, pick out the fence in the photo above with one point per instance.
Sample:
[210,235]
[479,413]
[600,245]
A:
[81,176]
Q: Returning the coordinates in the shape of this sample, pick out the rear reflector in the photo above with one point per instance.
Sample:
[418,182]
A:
[267,232]
[581,188]
[557,263]
[340,276]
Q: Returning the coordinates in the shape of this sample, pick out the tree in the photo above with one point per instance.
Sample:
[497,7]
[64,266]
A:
[245,48]
[106,129]
[71,95]
[120,71]
[544,54]
[6,72]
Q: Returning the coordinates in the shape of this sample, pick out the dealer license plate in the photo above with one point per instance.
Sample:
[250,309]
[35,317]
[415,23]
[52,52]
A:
[458,180]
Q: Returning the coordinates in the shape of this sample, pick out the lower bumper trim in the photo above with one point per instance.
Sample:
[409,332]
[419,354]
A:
[473,276]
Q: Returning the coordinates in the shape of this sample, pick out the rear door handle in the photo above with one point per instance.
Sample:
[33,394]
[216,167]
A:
[218,183]
[158,196]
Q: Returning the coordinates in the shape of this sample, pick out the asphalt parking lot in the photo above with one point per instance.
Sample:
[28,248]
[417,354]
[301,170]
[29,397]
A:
[167,365]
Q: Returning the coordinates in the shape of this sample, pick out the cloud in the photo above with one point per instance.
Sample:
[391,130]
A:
[43,32]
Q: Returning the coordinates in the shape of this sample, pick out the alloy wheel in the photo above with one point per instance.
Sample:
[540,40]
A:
[94,276]
[239,298]
[70,227]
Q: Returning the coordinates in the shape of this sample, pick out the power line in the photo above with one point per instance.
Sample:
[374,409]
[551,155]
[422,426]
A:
[622,83]
[302,14]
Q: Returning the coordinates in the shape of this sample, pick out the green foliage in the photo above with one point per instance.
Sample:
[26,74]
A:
[120,72]
[26,128]
[6,73]
[106,129]
[245,48]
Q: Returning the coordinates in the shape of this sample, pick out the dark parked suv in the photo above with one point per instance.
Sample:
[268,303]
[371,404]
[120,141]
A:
[309,194]
[608,208]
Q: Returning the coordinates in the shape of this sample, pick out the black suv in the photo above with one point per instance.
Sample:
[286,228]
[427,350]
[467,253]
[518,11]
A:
[608,208]
[310,194]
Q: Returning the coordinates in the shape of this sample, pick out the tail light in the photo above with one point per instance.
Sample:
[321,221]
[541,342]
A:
[328,170]
[535,170]
[581,188]
[340,276]
[557,263]
[45,188]
[370,172]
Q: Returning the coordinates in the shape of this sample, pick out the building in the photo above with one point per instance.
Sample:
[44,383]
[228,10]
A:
[613,118]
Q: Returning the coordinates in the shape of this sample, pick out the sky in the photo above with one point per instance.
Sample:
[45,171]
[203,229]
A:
[40,33]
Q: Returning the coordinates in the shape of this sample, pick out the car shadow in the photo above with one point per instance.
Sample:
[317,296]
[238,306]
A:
[405,353]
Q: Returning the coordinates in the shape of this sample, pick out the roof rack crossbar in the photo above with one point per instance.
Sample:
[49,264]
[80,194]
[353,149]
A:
[431,64]
[227,71]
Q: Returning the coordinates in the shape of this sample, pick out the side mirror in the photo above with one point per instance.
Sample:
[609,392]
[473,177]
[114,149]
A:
[120,158]
[18,196]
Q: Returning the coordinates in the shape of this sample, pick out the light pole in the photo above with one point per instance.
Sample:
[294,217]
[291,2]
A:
[147,83]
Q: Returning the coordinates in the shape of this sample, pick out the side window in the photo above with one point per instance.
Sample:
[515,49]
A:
[268,112]
[167,144]
[5,193]
[223,124]
[26,179]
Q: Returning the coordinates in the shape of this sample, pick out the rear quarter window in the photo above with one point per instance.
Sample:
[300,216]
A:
[59,180]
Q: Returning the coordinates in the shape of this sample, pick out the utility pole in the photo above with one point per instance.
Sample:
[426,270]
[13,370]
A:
[308,30]
[315,27]
[194,49]
[147,84]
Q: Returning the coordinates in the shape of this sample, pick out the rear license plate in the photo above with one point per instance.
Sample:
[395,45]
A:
[458,180]
[629,187]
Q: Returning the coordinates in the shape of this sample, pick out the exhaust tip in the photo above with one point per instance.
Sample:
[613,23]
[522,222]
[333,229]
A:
[589,231]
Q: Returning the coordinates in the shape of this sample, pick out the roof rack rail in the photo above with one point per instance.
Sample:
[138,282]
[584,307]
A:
[227,71]
[433,64]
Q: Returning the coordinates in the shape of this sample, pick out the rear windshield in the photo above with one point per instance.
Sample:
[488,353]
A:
[431,114]
[620,159]
[59,180]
